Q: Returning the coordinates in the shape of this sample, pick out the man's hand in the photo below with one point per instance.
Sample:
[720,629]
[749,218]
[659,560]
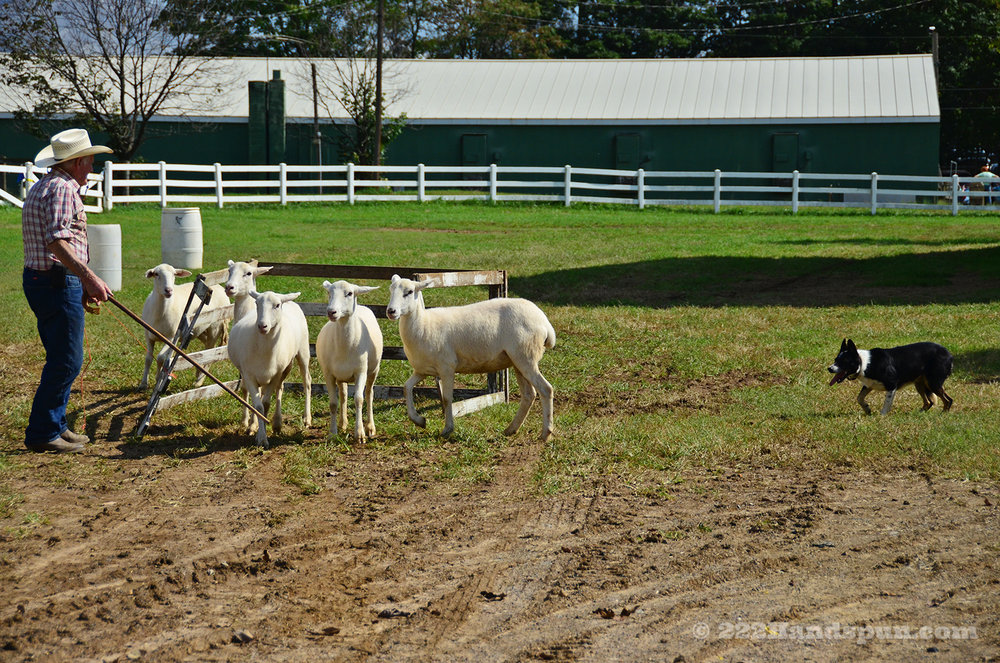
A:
[91,305]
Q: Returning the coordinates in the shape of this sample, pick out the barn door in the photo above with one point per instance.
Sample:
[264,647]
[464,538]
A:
[627,151]
[784,152]
[474,150]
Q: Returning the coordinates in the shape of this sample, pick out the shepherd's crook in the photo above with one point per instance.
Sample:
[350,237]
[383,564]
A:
[186,356]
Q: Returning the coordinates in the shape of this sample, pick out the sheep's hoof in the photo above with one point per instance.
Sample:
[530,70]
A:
[420,421]
[447,432]
[510,430]
[546,435]
[263,444]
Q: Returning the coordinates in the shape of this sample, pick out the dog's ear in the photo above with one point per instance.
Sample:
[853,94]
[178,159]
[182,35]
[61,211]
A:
[843,345]
[850,346]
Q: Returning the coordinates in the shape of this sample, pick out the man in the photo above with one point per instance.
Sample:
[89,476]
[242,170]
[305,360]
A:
[987,176]
[58,284]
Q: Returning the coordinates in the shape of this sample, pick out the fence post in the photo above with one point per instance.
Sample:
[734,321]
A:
[568,184]
[350,183]
[108,184]
[874,193]
[717,193]
[795,192]
[218,184]
[163,184]
[954,195]
[493,182]
[640,182]
[421,190]
[283,183]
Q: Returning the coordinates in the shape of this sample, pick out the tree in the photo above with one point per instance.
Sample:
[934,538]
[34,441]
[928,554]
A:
[349,87]
[637,29]
[104,63]
[483,29]
[969,68]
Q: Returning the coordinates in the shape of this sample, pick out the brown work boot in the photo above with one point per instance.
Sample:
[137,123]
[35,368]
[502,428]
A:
[74,438]
[58,445]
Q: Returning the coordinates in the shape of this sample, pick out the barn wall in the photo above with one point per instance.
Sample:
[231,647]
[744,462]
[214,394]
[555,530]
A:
[904,148]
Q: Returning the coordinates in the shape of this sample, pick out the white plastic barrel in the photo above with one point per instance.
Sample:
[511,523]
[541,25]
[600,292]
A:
[105,245]
[180,237]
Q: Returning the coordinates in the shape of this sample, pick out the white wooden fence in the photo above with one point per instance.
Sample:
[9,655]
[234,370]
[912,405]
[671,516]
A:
[170,184]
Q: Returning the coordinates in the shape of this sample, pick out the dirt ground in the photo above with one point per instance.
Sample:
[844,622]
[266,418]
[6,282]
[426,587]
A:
[208,559]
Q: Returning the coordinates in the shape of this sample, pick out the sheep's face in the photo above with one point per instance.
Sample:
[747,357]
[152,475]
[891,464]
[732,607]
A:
[404,297]
[164,277]
[242,278]
[269,309]
[342,298]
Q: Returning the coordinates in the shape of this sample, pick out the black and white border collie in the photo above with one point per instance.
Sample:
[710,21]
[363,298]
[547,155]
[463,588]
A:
[924,365]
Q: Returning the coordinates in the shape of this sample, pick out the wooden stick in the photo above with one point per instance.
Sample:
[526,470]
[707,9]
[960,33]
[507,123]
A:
[186,356]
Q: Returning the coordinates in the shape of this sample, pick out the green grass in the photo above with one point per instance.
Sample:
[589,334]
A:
[685,339]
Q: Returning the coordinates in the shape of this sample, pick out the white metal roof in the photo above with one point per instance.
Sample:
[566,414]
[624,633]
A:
[898,88]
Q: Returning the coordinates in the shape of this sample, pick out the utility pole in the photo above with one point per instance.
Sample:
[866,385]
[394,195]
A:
[317,138]
[378,84]
[934,55]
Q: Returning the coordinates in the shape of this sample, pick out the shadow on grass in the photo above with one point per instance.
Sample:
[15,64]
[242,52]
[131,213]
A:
[941,277]
[980,367]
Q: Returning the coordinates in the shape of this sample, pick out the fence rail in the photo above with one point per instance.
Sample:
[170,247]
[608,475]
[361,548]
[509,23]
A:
[170,184]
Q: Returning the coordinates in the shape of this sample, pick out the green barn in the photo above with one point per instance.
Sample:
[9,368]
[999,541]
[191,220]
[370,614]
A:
[830,115]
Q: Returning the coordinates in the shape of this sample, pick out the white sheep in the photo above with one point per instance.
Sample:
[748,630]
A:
[264,347]
[349,349]
[239,285]
[164,306]
[477,338]
[242,280]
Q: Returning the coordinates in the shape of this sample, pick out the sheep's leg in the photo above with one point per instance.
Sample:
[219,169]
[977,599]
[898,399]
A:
[447,387]
[258,400]
[369,397]
[332,390]
[342,407]
[200,379]
[545,391]
[527,398]
[144,382]
[307,387]
[359,405]
[276,415]
[247,424]
[415,416]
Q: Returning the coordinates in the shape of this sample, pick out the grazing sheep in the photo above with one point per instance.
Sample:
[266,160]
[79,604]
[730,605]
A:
[264,347]
[239,285]
[164,306]
[476,338]
[349,348]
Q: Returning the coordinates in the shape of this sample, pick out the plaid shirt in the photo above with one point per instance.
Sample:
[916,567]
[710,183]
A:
[53,209]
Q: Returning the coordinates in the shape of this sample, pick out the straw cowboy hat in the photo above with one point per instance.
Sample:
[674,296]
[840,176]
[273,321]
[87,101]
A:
[67,145]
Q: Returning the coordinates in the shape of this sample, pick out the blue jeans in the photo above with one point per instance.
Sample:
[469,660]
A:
[56,299]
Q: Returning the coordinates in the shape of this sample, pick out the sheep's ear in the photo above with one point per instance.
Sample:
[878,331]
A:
[262,270]
[420,285]
[364,289]
[255,294]
[181,272]
[395,278]
[231,263]
[326,285]
[290,297]
[150,273]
